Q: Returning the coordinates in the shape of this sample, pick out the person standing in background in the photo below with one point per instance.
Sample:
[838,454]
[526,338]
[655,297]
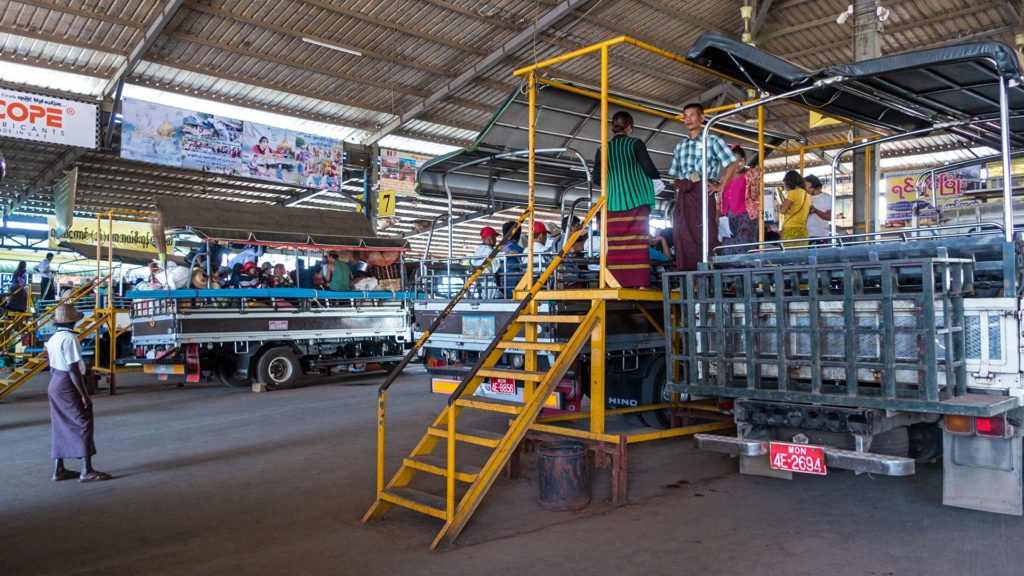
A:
[46,287]
[794,210]
[742,227]
[630,199]
[688,222]
[820,217]
[71,416]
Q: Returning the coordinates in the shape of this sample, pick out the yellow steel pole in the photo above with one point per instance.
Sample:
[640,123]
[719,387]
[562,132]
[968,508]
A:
[801,161]
[530,359]
[602,280]
[603,46]
[597,368]
[381,406]
[760,172]
[450,479]
[868,216]
[110,263]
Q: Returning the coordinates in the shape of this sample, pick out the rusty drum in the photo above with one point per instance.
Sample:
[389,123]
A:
[562,467]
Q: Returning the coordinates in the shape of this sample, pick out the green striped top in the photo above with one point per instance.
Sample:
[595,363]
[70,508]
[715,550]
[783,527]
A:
[629,185]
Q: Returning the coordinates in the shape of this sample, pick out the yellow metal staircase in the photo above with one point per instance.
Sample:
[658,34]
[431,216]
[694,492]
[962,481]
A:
[38,362]
[454,509]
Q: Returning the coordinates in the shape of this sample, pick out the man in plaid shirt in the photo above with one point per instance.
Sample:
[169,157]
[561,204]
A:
[687,222]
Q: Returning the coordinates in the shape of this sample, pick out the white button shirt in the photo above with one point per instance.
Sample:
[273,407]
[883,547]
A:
[64,350]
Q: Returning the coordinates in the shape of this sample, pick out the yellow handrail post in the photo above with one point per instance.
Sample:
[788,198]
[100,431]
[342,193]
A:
[530,358]
[381,406]
[602,280]
[450,479]
[760,172]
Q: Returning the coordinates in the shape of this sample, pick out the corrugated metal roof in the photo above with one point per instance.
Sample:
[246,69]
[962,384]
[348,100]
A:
[271,56]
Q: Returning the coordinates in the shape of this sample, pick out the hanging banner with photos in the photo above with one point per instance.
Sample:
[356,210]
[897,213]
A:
[398,170]
[160,134]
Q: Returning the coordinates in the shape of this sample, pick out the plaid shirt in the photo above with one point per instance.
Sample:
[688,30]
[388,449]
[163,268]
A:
[686,158]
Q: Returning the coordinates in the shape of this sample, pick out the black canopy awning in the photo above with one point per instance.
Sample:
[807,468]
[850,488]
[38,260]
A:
[271,225]
[901,92]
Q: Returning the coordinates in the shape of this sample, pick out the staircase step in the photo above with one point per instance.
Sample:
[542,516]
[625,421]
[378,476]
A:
[510,373]
[522,345]
[469,435]
[560,318]
[416,500]
[438,466]
[490,404]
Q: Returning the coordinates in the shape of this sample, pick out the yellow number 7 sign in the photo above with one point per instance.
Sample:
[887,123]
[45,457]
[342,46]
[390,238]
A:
[386,203]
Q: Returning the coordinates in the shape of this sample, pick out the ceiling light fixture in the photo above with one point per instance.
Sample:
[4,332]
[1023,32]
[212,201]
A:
[845,15]
[332,46]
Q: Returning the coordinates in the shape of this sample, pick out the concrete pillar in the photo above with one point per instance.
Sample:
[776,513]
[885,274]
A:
[865,187]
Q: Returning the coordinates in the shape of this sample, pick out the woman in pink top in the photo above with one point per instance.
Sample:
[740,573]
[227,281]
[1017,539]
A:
[734,207]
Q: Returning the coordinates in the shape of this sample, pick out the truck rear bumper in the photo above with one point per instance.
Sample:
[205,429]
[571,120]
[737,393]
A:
[834,457]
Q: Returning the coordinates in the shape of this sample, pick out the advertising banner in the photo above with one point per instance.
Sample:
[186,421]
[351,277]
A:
[39,118]
[398,170]
[127,235]
[64,200]
[902,193]
[152,132]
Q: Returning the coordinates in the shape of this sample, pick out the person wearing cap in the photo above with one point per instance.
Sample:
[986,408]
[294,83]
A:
[513,261]
[46,288]
[71,415]
[540,246]
[488,240]
[820,217]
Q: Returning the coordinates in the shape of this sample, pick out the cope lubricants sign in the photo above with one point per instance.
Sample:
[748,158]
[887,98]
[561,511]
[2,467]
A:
[47,119]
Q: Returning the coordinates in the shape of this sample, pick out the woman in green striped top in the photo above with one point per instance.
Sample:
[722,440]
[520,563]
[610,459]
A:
[630,198]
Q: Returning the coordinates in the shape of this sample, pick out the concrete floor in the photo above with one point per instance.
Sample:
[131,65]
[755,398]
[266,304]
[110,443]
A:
[211,480]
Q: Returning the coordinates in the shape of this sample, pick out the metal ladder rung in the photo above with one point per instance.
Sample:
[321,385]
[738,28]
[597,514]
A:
[416,500]
[559,318]
[438,466]
[469,435]
[522,345]
[490,404]
[525,375]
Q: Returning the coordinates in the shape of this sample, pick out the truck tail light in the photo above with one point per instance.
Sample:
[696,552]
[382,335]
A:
[993,427]
[959,425]
[725,405]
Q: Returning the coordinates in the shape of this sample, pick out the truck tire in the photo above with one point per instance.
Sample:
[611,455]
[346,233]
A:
[228,375]
[278,368]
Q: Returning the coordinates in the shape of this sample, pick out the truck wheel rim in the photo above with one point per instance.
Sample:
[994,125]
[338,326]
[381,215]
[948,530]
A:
[280,370]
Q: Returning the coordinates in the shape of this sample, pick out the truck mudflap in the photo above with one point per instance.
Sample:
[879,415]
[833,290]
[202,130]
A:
[834,457]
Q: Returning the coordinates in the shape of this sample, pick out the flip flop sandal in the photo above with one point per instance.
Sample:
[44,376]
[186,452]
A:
[95,477]
[64,475]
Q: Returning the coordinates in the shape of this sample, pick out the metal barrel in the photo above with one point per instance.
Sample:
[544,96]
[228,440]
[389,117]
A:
[562,468]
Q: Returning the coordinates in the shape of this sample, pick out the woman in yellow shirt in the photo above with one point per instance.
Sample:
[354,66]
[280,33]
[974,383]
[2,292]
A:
[794,209]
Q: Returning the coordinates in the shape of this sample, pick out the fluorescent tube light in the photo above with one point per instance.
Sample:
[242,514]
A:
[332,46]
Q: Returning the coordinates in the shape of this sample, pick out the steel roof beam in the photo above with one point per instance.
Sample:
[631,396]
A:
[96,15]
[65,40]
[510,47]
[46,179]
[140,48]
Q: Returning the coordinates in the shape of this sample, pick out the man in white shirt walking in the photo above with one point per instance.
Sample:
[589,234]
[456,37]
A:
[46,287]
[820,217]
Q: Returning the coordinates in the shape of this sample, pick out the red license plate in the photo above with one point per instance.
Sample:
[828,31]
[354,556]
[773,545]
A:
[797,458]
[506,386]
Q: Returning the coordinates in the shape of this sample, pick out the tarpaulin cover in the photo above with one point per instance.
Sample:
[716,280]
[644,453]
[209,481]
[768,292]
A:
[133,257]
[902,92]
[271,224]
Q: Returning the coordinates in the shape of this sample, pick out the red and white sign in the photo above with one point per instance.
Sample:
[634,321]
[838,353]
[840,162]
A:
[28,116]
[505,386]
[278,324]
[797,458]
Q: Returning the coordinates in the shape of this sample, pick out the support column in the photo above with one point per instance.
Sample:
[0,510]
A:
[866,46]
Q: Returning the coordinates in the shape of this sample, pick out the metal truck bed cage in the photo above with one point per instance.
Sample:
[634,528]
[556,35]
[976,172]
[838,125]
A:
[792,334]
[902,92]
[251,293]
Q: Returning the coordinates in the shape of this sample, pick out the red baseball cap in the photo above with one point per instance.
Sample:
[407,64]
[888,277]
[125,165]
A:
[487,232]
[539,227]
